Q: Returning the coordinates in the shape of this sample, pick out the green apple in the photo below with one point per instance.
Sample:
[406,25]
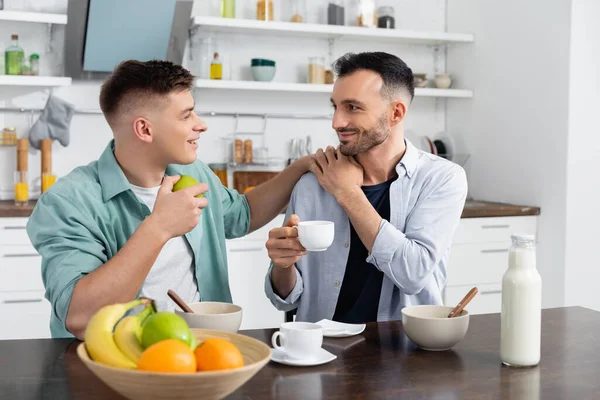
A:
[184,182]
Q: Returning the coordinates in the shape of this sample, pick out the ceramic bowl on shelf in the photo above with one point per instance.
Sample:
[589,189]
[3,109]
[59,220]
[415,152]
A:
[443,81]
[420,80]
[262,70]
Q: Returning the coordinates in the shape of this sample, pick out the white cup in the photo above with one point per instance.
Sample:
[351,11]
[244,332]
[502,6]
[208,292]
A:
[299,340]
[316,235]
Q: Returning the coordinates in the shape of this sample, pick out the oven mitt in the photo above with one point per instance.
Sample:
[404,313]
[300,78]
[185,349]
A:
[53,123]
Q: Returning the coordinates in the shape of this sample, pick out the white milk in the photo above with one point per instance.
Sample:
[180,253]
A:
[521,305]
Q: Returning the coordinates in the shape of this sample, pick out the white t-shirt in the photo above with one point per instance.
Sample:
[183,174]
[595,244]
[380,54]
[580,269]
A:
[173,268]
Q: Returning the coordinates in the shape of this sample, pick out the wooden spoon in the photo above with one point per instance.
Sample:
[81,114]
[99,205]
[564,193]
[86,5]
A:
[463,303]
[179,302]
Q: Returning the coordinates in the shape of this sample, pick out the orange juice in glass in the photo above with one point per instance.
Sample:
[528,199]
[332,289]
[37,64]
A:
[47,181]
[21,188]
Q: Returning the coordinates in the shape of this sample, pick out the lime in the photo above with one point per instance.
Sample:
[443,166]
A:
[184,182]
[165,325]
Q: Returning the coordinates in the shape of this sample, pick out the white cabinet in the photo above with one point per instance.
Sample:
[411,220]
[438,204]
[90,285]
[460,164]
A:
[248,264]
[24,312]
[479,257]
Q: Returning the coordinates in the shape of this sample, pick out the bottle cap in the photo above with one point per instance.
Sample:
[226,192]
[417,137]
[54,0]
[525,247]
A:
[14,37]
[522,237]
[34,56]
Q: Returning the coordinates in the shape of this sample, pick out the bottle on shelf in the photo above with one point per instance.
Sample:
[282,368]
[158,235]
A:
[21,182]
[216,67]
[13,57]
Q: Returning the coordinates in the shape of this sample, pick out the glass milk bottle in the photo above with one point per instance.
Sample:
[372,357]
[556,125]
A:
[520,338]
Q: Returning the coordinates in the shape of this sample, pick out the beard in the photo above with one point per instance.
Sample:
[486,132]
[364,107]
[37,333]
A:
[366,139]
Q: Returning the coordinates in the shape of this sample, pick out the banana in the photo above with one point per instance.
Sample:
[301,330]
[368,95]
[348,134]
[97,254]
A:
[99,340]
[128,332]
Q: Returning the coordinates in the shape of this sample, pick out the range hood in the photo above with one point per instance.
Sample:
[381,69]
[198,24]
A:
[102,33]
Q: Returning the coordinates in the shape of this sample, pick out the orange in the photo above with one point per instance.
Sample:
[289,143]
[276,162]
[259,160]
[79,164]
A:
[170,355]
[217,354]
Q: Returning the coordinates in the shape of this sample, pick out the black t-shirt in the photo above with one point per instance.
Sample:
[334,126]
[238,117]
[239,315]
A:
[359,296]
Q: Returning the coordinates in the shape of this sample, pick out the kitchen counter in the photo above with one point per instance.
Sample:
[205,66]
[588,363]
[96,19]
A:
[379,363]
[482,209]
[8,209]
[473,209]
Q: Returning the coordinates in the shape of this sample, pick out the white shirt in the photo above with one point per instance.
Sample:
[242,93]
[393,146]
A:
[173,268]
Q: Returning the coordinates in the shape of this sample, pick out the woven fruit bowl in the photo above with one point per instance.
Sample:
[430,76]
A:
[142,385]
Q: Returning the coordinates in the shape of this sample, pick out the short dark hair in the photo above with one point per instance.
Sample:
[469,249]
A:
[394,72]
[133,82]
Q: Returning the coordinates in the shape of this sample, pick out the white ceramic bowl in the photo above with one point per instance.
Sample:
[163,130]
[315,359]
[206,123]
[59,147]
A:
[223,317]
[430,328]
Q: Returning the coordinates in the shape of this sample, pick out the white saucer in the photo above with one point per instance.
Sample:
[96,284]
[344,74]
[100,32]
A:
[322,358]
[340,329]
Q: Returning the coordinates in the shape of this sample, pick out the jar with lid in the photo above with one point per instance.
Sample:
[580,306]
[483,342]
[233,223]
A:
[265,10]
[521,315]
[336,12]
[34,64]
[296,11]
[9,136]
[366,15]
[316,70]
[386,17]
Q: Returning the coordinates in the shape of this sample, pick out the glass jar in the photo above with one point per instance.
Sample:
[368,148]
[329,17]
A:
[21,188]
[48,179]
[366,13]
[296,11]
[386,17]
[34,64]
[9,136]
[227,8]
[265,10]
[336,12]
[220,170]
[316,70]
[521,315]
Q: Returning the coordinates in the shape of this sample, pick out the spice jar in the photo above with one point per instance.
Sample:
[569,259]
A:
[296,10]
[385,17]
[9,136]
[316,70]
[220,170]
[238,156]
[248,151]
[366,13]
[34,64]
[264,10]
[336,12]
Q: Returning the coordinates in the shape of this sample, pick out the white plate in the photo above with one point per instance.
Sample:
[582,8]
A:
[339,329]
[322,358]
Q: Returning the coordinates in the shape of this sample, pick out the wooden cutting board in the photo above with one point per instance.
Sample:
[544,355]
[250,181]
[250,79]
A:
[247,179]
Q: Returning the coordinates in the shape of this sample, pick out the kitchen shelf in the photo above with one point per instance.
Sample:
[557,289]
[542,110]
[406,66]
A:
[27,80]
[12,86]
[24,16]
[277,29]
[314,88]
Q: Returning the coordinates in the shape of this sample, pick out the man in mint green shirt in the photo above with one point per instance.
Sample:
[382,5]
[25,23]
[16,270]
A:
[114,229]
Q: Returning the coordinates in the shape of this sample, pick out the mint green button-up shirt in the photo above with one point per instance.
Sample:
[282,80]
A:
[85,218]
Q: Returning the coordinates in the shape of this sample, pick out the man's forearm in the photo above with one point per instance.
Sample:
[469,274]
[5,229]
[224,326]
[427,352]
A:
[364,218]
[117,281]
[268,200]
[283,280]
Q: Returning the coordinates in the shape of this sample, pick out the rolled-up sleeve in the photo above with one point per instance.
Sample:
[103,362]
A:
[409,257]
[290,302]
[64,237]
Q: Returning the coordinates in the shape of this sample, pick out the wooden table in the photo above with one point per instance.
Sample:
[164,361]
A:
[380,363]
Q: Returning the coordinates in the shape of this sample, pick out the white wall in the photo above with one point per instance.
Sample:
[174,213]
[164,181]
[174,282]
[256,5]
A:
[89,134]
[583,183]
[516,125]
